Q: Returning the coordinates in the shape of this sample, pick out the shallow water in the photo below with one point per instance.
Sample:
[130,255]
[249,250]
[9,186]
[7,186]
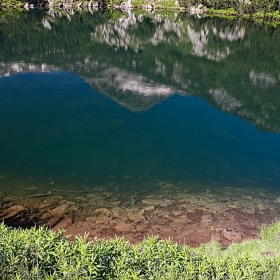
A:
[140,106]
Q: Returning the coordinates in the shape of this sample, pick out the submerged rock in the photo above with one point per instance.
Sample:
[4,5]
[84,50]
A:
[157,202]
[103,212]
[122,227]
[133,199]
[261,207]
[107,194]
[12,212]
[248,210]
[90,219]
[148,209]
[65,223]
[92,196]
[81,198]
[136,218]
[53,216]
[206,219]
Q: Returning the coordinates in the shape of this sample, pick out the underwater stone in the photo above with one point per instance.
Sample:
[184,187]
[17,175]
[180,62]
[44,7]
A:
[81,198]
[230,216]
[90,219]
[95,196]
[12,212]
[65,223]
[261,207]
[124,227]
[107,194]
[103,212]
[136,218]
[157,202]
[54,215]
[217,206]
[248,211]
[177,213]
[206,219]
[148,209]
[73,207]
[57,211]
[232,206]
[115,203]
[134,199]
[117,213]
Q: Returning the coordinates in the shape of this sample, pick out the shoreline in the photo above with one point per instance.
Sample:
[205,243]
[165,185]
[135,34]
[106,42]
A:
[188,214]
[271,18]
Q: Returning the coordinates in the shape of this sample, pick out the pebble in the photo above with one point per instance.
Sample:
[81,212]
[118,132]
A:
[232,206]
[115,203]
[177,213]
[248,211]
[125,228]
[136,218]
[81,198]
[148,209]
[103,212]
[107,194]
[90,219]
[206,219]
[157,202]
[261,207]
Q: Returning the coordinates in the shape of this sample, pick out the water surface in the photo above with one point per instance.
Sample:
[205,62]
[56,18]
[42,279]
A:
[139,98]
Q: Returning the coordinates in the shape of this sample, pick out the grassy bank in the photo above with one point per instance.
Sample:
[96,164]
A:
[259,8]
[43,254]
[231,13]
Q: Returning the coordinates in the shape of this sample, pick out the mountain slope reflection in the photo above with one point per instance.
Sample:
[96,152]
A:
[139,60]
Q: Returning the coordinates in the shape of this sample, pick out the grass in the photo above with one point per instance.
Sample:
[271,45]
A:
[43,254]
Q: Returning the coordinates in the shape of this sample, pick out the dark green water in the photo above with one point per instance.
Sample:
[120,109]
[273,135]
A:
[111,96]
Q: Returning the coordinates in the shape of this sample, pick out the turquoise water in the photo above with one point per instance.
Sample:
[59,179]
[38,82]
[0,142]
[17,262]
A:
[94,108]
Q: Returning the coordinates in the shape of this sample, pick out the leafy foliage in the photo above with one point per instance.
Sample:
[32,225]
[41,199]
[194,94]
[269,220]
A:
[243,6]
[44,254]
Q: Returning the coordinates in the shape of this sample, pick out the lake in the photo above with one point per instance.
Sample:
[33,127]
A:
[154,115]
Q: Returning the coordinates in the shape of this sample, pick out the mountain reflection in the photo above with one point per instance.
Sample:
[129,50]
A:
[141,59]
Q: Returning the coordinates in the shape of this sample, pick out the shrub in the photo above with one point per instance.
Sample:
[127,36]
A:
[44,254]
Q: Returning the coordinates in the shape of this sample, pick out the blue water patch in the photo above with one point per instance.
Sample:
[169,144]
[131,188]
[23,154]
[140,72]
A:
[56,124]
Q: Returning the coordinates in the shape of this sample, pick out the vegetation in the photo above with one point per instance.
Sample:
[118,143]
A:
[43,254]
[256,8]
[238,6]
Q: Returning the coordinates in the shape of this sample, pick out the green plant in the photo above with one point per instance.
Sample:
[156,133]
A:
[43,254]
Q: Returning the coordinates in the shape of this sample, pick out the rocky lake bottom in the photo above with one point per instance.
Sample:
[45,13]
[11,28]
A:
[188,213]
